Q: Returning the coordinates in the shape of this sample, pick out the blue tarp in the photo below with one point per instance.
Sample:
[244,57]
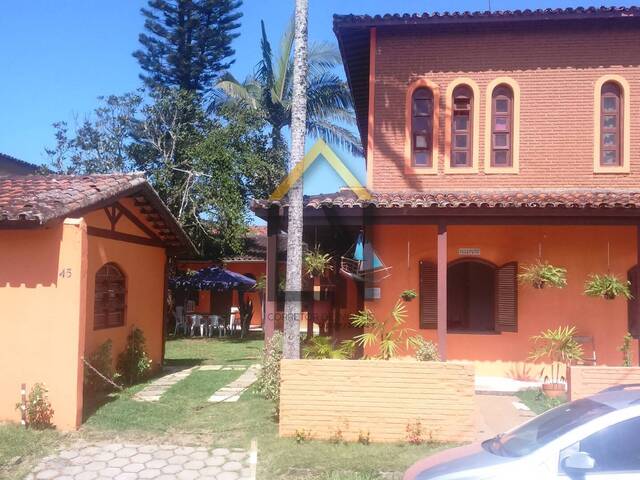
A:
[211,278]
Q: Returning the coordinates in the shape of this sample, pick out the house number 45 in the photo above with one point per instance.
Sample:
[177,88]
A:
[65,273]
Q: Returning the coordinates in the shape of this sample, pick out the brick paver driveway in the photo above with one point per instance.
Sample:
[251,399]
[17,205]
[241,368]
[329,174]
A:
[118,461]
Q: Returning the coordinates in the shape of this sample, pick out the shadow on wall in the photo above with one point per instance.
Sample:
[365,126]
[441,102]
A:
[29,258]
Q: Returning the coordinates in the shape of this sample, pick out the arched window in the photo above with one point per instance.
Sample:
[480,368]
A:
[422,127]
[502,127]
[462,127]
[611,125]
[110,297]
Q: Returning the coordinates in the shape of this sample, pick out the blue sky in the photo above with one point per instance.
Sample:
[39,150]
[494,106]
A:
[56,57]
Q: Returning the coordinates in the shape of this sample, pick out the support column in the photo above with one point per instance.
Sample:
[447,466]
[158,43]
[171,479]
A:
[271,299]
[636,292]
[442,290]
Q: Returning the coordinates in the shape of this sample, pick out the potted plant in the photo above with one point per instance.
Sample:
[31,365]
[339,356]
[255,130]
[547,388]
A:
[542,273]
[408,295]
[317,263]
[561,348]
[607,286]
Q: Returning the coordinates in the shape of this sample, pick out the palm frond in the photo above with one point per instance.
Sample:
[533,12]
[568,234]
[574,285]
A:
[335,135]
[327,92]
[323,57]
[265,66]
[235,90]
[285,60]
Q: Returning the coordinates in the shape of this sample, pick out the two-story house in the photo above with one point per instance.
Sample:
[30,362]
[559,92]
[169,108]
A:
[493,140]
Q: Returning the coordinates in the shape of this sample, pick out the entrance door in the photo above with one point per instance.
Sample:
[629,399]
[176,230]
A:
[471,296]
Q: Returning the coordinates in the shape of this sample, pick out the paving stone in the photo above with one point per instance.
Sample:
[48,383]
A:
[162,454]
[156,463]
[81,460]
[95,466]
[147,448]
[149,473]
[177,459]
[220,451]
[126,452]
[64,477]
[194,465]
[199,455]
[228,476]
[118,462]
[126,476]
[184,450]
[133,467]
[166,477]
[68,454]
[141,458]
[187,475]
[104,456]
[237,456]
[210,471]
[171,469]
[86,475]
[47,474]
[110,472]
[215,461]
[71,469]
[245,472]
[232,466]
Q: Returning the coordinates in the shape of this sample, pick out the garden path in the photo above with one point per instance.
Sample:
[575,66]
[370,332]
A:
[232,391]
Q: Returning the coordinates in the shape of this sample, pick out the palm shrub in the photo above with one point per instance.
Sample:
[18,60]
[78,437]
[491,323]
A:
[102,361]
[559,346]
[134,365]
[323,347]
[607,286]
[268,382]
[542,273]
[625,348]
[387,334]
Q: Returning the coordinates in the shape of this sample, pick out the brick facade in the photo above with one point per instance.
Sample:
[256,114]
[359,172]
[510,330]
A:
[586,381]
[556,69]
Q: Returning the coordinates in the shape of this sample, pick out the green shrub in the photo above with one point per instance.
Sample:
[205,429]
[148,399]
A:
[408,295]
[134,365]
[626,350]
[39,411]
[102,361]
[323,347]
[542,273]
[268,382]
[427,351]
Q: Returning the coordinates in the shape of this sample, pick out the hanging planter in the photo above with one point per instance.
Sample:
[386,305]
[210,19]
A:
[607,286]
[317,263]
[408,295]
[541,274]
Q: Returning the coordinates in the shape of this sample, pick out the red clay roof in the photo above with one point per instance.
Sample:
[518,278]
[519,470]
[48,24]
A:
[36,200]
[352,32]
[531,199]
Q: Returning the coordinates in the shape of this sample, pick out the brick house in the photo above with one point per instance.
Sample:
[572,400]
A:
[492,140]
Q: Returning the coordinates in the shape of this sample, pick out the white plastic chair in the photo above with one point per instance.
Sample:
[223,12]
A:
[197,322]
[180,323]
[214,323]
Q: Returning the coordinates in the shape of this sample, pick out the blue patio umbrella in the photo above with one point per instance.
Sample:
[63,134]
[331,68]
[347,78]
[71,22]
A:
[212,278]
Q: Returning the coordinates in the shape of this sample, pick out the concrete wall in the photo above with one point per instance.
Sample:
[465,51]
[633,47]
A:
[585,381]
[379,397]
[43,277]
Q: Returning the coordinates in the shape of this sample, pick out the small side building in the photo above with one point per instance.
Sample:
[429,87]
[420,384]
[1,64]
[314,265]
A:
[12,166]
[83,259]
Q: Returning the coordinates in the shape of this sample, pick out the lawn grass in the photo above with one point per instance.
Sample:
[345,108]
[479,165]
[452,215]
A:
[227,351]
[538,402]
[20,448]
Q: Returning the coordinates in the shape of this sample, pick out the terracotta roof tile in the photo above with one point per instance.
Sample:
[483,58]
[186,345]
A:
[530,199]
[39,199]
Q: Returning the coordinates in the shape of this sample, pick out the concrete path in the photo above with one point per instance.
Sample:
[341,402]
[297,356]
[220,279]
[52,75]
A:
[500,385]
[232,392]
[116,461]
[157,388]
[498,413]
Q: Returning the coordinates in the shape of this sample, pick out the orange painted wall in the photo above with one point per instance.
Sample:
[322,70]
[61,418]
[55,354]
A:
[582,250]
[42,316]
[257,269]
[143,267]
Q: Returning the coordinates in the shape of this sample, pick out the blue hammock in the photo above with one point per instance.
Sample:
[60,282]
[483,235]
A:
[352,264]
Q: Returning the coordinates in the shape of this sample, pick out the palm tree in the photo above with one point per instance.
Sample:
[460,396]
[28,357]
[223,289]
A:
[270,91]
[292,307]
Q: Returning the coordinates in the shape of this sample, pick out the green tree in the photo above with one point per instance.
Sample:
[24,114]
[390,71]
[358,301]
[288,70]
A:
[205,170]
[187,43]
[270,91]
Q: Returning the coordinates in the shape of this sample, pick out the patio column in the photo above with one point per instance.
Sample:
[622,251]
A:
[271,299]
[442,258]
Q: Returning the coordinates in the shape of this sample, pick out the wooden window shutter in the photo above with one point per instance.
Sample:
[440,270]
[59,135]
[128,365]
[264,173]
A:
[633,305]
[507,298]
[428,295]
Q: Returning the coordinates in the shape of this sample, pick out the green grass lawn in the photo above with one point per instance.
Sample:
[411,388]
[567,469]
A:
[538,402]
[183,415]
[20,449]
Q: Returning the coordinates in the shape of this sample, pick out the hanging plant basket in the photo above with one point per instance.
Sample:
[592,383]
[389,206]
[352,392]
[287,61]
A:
[607,286]
[541,274]
[408,295]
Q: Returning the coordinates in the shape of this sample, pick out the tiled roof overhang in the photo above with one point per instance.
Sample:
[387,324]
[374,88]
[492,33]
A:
[352,32]
[35,201]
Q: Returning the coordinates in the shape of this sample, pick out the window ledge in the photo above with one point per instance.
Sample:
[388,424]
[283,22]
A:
[420,170]
[460,170]
[473,332]
[612,170]
[501,170]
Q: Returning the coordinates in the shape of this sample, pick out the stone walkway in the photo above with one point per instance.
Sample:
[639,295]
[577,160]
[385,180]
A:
[157,388]
[498,413]
[117,461]
[232,392]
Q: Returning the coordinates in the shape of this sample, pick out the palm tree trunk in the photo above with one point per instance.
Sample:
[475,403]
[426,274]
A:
[292,310]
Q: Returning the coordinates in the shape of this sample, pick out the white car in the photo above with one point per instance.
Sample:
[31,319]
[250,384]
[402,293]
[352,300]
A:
[593,438]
